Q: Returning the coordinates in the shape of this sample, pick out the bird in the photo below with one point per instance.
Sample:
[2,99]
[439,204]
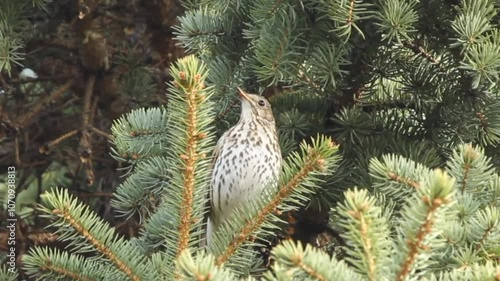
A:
[246,161]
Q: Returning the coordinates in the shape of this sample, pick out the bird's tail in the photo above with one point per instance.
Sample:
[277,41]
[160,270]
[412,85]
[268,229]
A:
[210,232]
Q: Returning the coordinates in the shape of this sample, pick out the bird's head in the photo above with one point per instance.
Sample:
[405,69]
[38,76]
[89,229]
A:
[255,106]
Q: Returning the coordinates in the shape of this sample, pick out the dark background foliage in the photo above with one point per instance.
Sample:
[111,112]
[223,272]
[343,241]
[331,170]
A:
[50,130]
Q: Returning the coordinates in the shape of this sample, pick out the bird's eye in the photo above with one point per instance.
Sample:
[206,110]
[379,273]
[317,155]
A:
[262,103]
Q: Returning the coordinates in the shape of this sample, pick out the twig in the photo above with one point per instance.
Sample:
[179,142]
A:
[41,79]
[18,157]
[308,80]
[25,119]
[45,149]
[87,109]
[351,13]
[102,133]
[418,50]
[89,170]
[85,147]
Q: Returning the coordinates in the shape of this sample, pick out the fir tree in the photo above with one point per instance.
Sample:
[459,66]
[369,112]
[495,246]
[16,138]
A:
[409,91]
[169,153]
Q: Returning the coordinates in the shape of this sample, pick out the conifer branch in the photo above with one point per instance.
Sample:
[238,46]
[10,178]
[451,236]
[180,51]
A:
[25,119]
[417,244]
[42,79]
[132,130]
[102,133]
[202,267]
[302,75]
[364,225]
[45,149]
[276,5]
[367,244]
[87,99]
[68,218]
[49,266]
[189,158]
[393,176]
[437,196]
[466,168]
[351,13]
[8,274]
[54,264]
[280,50]
[469,156]
[396,176]
[71,213]
[308,269]
[484,237]
[294,262]
[85,145]
[419,50]
[485,224]
[17,151]
[190,138]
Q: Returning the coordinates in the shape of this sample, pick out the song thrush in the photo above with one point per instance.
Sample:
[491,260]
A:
[247,160]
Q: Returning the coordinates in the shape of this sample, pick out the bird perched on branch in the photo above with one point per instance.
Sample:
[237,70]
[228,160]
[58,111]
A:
[247,160]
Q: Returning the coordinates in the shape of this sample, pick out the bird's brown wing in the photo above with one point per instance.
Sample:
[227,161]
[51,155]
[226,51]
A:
[215,155]
[218,148]
[209,218]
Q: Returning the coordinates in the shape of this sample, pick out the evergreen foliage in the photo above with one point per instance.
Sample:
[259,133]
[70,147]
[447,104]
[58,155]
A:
[434,227]
[7,275]
[391,76]
[408,90]
[169,191]
[14,28]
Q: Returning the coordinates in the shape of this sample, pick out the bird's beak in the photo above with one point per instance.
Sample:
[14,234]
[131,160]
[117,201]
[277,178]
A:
[244,95]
